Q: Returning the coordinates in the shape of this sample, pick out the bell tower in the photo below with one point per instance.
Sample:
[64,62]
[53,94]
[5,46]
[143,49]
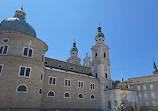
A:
[101,66]
[74,55]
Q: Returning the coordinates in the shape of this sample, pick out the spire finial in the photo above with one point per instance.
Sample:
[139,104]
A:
[22,6]
[121,77]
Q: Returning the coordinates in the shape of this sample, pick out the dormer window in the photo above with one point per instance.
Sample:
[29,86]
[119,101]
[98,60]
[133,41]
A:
[27,52]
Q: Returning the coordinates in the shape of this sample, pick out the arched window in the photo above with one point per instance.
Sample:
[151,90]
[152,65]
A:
[95,54]
[28,52]
[106,76]
[22,88]
[3,50]
[67,95]
[105,55]
[51,94]
[40,91]
[92,97]
[80,96]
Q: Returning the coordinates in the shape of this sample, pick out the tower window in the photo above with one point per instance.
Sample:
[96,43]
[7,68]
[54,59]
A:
[40,91]
[22,88]
[104,54]
[95,54]
[96,75]
[3,50]
[106,76]
[42,76]
[27,52]
[25,71]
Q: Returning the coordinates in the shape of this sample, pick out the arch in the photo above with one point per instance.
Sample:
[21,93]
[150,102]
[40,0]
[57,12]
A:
[67,95]
[80,96]
[51,94]
[22,88]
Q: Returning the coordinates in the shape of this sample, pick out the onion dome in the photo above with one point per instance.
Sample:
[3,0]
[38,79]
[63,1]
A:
[19,22]
[74,48]
[99,33]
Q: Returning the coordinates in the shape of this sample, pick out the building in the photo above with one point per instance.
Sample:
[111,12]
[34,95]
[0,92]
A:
[147,90]
[31,81]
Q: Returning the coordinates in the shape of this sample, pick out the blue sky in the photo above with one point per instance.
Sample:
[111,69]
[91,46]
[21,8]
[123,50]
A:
[130,28]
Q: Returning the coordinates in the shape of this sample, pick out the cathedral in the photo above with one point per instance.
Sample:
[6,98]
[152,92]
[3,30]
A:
[29,81]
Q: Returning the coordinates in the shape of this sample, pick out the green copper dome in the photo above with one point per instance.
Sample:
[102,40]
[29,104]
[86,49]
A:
[19,22]
[74,48]
[99,33]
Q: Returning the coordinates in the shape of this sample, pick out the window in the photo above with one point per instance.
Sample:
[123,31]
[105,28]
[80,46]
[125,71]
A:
[151,86]
[67,82]
[3,50]
[144,87]
[96,75]
[43,58]
[60,66]
[146,103]
[27,52]
[92,87]
[95,54]
[138,87]
[42,76]
[152,95]
[67,95]
[140,96]
[80,96]
[1,69]
[52,80]
[25,71]
[72,68]
[104,55]
[82,70]
[106,76]
[145,96]
[40,91]
[51,94]
[115,103]
[92,97]
[5,40]
[154,103]
[22,88]
[80,84]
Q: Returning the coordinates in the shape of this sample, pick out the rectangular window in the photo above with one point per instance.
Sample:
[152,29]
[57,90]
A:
[3,50]
[92,87]
[151,86]
[145,96]
[152,95]
[67,82]
[140,96]
[144,87]
[25,71]
[80,84]
[154,103]
[138,88]
[28,52]
[52,80]
[1,69]
[146,103]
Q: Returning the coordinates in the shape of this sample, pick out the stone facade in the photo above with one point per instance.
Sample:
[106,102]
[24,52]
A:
[31,81]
